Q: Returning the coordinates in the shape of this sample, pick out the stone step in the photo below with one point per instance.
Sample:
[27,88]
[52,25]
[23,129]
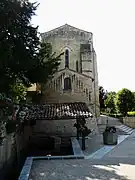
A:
[125,129]
[120,128]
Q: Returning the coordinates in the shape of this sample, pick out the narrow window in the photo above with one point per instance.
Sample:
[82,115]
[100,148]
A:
[67,83]
[77,68]
[87,92]
[89,96]
[67,58]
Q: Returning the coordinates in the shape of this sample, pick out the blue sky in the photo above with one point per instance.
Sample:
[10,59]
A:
[113,24]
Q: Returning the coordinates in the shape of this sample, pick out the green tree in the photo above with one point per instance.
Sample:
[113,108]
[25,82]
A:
[23,58]
[124,101]
[110,101]
[46,66]
[133,109]
[18,91]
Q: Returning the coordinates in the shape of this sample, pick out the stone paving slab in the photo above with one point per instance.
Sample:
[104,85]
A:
[125,149]
[99,154]
[93,143]
[111,169]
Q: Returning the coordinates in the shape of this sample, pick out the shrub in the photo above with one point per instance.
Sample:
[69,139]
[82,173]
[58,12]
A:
[113,115]
[131,114]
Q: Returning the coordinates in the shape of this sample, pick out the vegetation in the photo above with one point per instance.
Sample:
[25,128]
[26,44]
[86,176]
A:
[23,58]
[118,104]
[18,91]
[131,114]
[124,101]
[110,102]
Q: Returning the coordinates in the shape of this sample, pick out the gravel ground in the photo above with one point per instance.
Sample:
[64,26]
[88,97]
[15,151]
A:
[112,169]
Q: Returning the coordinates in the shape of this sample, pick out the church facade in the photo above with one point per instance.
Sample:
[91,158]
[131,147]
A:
[77,76]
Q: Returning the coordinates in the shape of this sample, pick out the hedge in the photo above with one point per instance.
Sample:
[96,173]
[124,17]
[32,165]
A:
[112,115]
[131,114]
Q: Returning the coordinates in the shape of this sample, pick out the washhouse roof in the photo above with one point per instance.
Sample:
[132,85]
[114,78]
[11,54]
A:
[58,111]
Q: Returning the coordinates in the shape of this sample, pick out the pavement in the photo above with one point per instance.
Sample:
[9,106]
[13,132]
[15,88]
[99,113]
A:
[93,143]
[118,164]
[106,163]
[111,169]
[126,149]
[95,146]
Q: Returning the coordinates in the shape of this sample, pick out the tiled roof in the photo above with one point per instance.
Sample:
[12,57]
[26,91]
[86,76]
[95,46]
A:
[58,111]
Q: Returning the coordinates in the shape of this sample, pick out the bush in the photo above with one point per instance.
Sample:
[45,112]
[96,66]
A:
[131,114]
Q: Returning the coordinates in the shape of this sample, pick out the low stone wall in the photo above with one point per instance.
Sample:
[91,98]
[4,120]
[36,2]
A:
[62,127]
[129,121]
[10,150]
[102,120]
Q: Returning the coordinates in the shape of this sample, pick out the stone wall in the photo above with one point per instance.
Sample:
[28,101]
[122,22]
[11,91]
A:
[62,127]
[70,38]
[11,149]
[129,121]
[102,120]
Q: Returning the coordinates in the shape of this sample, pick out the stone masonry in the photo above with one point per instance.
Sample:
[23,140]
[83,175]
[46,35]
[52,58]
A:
[77,77]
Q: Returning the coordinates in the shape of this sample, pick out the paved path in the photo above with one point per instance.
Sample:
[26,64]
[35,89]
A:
[83,170]
[97,150]
[125,150]
[119,164]
[100,153]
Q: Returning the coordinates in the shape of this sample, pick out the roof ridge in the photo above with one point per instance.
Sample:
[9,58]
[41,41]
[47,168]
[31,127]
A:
[66,25]
[76,72]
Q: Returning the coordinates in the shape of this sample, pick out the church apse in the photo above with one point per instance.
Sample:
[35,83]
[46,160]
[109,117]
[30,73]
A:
[77,75]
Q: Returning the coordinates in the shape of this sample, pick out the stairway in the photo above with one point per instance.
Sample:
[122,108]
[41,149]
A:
[121,129]
[125,129]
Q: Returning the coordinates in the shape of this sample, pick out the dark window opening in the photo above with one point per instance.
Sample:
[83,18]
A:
[86,92]
[89,96]
[67,84]
[77,66]
[67,58]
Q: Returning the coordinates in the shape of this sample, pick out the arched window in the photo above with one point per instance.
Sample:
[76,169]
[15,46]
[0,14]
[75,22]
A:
[67,83]
[77,67]
[67,58]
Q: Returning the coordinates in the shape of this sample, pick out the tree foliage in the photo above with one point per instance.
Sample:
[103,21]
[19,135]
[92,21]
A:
[23,58]
[46,66]
[133,109]
[124,101]
[18,91]
[110,101]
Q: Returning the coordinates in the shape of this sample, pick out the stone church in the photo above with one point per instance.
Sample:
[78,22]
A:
[77,76]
